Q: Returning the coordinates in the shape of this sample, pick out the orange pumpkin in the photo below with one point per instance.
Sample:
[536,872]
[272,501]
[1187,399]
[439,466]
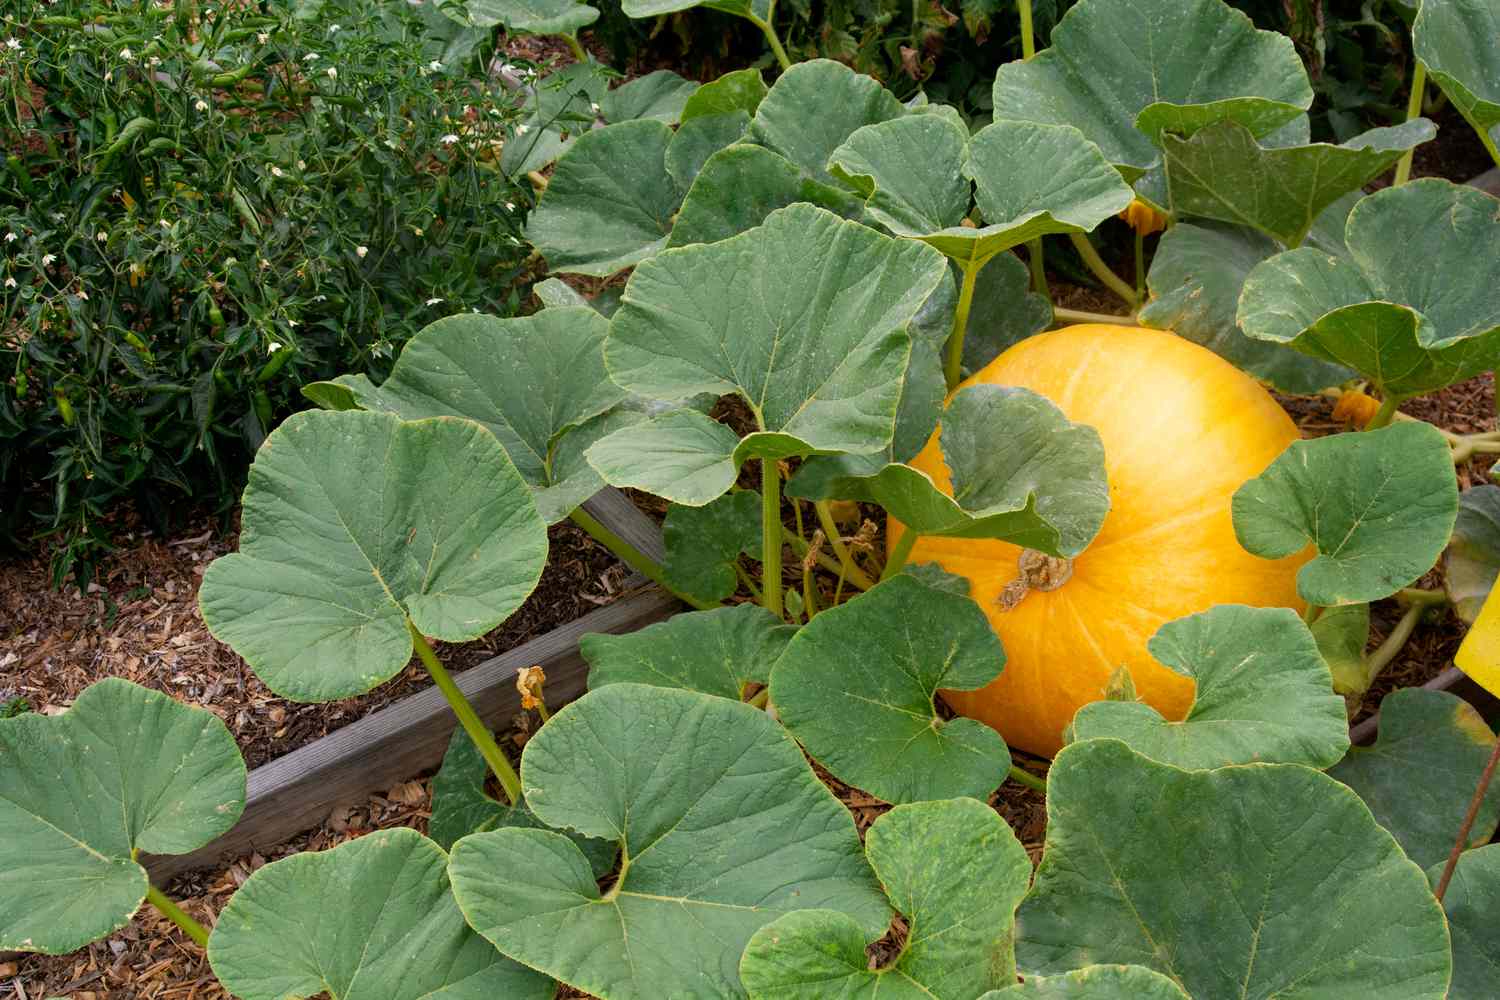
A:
[1182,430]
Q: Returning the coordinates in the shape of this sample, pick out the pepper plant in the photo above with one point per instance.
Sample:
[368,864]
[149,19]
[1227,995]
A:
[806,261]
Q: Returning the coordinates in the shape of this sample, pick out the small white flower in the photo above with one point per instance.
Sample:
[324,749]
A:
[301,164]
[320,298]
[273,347]
[594,107]
[433,302]
[201,104]
[10,282]
[361,251]
[507,68]
[522,129]
[275,171]
[109,75]
[154,61]
[510,206]
[83,295]
[48,258]
[293,323]
[265,265]
[126,54]
[417,230]
[165,224]
[434,65]
[333,29]
[262,38]
[102,236]
[333,74]
[11,43]
[10,237]
[449,139]
[310,57]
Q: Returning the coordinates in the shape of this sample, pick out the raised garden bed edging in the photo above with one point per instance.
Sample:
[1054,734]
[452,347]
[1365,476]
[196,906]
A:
[298,790]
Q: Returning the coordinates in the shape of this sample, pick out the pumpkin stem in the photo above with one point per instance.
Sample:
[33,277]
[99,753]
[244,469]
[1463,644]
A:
[1039,571]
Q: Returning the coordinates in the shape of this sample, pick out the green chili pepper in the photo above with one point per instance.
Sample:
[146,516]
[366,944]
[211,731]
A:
[263,409]
[65,407]
[270,368]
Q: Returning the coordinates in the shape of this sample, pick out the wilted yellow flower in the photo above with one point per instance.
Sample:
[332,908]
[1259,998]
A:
[529,682]
[1144,219]
[1355,407]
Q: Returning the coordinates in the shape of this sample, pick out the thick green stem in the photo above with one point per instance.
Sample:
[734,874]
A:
[576,46]
[1080,316]
[178,916]
[1385,414]
[1388,650]
[768,28]
[1101,270]
[896,558]
[510,784]
[1028,34]
[1028,779]
[631,556]
[953,366]
[1413,110]
[770,528]
[1037,261]
[1426,598]
[847,565]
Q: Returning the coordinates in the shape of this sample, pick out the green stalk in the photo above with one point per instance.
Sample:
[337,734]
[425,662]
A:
[1031,781]
[809,602]
[1385,414]
[510,784]
[953,366]
[1038,265]
[1101,270]
[1388,650]
[177,915]
[768,28]
[770,527]
[1413,110]
[896,558]
[1028,35]
[826,561]
[1080,316]
[576,46]
[632,556]
[847,565]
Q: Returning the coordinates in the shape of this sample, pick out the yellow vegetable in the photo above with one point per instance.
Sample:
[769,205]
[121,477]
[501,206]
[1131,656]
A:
[1182,430]
[1479,656]
[1144,219]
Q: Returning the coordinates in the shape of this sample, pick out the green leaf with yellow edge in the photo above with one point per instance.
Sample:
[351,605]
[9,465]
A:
[528,380]
[1125,878]
[610,201]
[1471,901]
[954,869]
[371,919]
[718,652]
[1378,505]
[1095,982]
[857,687]
[355,523]
[1473,560]
[1122,72]
[1222,173]
[125,769]
[1413,308]
[1455,40]
[805,318]
[722,826]
[1263,694]
[1419,776]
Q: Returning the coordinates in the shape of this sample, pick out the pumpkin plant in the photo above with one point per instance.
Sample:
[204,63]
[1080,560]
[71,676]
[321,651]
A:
[1108,545]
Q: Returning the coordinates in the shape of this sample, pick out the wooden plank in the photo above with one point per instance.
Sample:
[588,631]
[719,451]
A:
[615,511]
[297,791]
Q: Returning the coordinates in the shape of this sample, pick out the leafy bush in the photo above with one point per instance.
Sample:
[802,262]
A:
[200,214]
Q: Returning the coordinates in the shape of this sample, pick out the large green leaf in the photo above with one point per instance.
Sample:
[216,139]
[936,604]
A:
[1473,561]
[1455,40]
[610,201]
[857,687]
[703,544]
[695,141]
[1258,881]
[1263,694]
[1415,307]
[1095,982]
[661,95]
[1004,312]
[1197,274]
[655,8]
[1471,902]
[739,186]
[804,318]
[354,523]
[1123,71]
[740,90]
[1030,180]
[1419,777]
[722,827]
[954,870]
[536,17]
[1378,505]
[528,380]
[1021,471]
[1222,173]
[814,107]
[125,769]
[717,652]
[372,919]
